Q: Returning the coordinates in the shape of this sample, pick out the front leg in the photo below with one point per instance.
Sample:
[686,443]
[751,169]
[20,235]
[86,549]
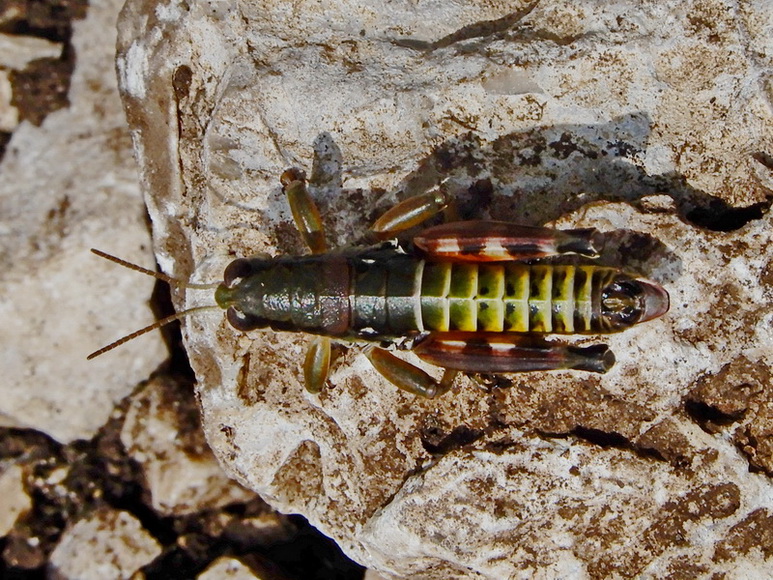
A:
[501,352]
[410,212]
[304,210]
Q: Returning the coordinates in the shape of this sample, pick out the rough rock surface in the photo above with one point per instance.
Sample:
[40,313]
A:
[67,181]
[14,499]
[651,122]
[65,186]
[227,568]
[17,52]
[110,544]
[162,432]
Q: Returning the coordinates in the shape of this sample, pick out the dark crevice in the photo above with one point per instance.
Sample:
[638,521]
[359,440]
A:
[706,415]
[309,554]
[597,437]
[178,363]
[479,29]
[484,28]
[438,442]
[602,438]
[49,19]
[763,159]
[652,453]
[306,554]
[500,446]
[43,85]
[605,440]
[719,216]
[610,439]
[4,139]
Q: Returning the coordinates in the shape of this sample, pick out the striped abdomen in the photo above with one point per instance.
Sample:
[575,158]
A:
[513,297]
[405,293]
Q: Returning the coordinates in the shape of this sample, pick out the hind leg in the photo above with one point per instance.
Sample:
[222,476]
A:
[407,376]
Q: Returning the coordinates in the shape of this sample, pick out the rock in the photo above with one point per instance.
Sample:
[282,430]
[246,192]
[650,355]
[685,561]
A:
[14,500]
[737,400]
[9,116]
[162,432]
[227,568]
[531,112]
[247,568]
[16,51]
[263,529]
[109,544]
[67,186]
[23,552]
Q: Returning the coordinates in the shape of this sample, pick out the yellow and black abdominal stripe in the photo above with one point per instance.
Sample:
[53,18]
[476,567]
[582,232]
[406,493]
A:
[408,294]
[511,297]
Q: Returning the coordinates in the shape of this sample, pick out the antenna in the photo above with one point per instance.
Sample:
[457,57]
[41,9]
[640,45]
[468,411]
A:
[153,274]
[158,323]
[141,331]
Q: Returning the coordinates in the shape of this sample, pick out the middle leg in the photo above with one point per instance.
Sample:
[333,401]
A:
[316,365]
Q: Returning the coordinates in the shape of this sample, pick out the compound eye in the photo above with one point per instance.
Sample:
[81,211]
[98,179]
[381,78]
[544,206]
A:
[244,322]
[239,268]
[621,303]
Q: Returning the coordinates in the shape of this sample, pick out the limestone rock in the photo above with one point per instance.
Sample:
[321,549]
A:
[65,187]
[109,544]
[16,51]
[227,568]
[650,122]
[248,568]
[9,116]
[162,432]
[14,500]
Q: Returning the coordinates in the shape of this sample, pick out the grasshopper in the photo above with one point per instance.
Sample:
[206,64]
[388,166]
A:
[467,296]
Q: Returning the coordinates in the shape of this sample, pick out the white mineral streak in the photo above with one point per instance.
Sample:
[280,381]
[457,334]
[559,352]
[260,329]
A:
[131,71]
[621,116]
[67,186]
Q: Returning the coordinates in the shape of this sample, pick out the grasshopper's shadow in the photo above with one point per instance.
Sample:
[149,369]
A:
[536,176]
